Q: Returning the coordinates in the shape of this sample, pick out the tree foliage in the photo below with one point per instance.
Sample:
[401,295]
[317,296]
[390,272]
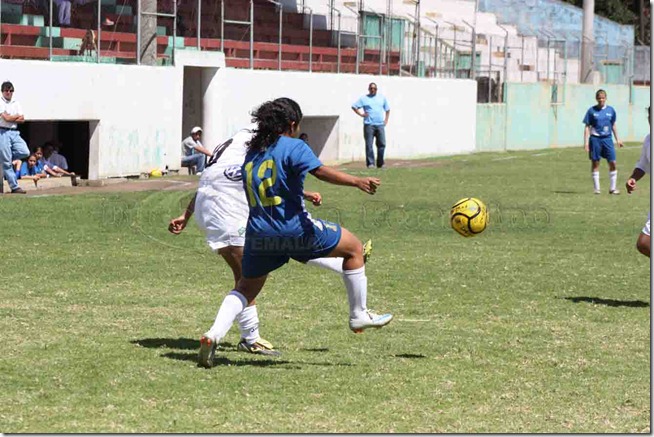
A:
[624,12]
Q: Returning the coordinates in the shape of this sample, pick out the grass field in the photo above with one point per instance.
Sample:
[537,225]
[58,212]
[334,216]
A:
[541,324]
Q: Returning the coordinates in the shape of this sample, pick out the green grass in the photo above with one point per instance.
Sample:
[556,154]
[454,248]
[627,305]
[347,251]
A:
[541,324]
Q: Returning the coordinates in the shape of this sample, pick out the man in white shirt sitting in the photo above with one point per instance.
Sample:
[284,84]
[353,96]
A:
[12,146]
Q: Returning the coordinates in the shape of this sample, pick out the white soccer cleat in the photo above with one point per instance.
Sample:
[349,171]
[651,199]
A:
[369,320]
[207,351]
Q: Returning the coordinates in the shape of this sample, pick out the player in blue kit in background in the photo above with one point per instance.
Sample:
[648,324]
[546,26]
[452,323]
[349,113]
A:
[599,124]
[279,228]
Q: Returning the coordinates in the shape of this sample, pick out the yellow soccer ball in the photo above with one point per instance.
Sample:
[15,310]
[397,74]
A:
[156,173]
[469,217]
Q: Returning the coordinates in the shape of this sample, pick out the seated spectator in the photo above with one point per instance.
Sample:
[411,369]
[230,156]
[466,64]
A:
[31,169]
[193,152]
[304,137]
[51,154]
[55,164]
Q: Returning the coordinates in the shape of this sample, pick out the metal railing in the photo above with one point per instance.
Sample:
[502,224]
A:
[250,24]
[440,49]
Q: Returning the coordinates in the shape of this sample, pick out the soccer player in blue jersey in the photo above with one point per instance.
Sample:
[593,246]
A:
[279,228]
[599,124]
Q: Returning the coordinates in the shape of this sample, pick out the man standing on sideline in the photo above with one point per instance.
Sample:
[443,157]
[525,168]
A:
[376,111]
[12,146]
[193,152]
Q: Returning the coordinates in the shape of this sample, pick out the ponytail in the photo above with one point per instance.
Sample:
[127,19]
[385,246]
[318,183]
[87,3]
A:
[273,119]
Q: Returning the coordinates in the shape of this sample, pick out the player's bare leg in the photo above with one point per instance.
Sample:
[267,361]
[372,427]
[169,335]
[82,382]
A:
[233,304]
[643,244]
[356,283]
[248,319]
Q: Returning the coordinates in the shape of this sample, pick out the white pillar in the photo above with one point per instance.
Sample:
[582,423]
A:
[587,43]
[212,131]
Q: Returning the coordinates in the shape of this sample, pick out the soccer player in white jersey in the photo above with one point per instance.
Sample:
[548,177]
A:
[221,211]
[642,167]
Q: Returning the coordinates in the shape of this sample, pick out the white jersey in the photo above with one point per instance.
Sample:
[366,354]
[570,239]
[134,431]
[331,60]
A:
[644,161]
[221,207]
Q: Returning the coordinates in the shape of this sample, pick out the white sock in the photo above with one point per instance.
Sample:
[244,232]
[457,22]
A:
[333,264]
[232,305]
[613,177]
[356,284]
[248,323]
[596,184]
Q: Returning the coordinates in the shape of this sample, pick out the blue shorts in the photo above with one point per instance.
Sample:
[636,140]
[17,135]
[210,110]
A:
[601,147]
[263,254]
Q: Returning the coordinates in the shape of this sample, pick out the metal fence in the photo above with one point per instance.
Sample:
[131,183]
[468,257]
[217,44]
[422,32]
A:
[430,48]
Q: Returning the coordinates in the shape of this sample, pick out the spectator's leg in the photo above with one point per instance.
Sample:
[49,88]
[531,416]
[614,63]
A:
[19,149]
[188,161]
[200,162]
[368,132]
[5,160]
[380,141]
[67,12]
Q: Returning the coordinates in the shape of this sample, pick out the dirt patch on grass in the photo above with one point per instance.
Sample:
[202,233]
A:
[179,182]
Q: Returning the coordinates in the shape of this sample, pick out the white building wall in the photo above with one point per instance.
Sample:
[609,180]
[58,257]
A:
[137,117]
[429,117]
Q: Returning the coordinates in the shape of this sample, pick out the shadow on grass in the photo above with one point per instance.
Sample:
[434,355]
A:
[316,349]
[412,356]
[224,361]
[176,343]
[194,345]
[609,302]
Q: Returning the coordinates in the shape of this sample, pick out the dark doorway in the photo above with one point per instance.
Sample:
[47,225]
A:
[72,136]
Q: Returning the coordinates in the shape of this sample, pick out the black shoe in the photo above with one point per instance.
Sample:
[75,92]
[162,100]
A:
[18,190]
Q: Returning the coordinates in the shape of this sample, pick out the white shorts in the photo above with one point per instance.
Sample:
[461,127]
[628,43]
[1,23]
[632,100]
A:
[230,234]
[646,228]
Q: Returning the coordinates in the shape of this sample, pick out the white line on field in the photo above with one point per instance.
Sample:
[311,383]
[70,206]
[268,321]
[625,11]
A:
[541,154]
[504,159]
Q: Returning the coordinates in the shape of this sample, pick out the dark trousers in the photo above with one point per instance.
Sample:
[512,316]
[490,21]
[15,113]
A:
[377,132]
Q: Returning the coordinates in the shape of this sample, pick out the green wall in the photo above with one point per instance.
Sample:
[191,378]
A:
[528,119]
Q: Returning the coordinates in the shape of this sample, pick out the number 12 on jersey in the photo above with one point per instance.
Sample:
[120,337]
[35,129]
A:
[263,185]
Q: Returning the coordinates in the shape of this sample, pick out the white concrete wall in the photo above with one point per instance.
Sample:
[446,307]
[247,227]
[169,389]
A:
[139,109]
[429,117]
[138,121]
[136,110]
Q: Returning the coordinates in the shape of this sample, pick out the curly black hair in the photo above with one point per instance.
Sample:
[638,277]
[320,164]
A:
[273,118]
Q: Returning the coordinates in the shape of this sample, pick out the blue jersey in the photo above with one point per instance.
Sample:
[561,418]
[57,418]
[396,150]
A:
[274,183]
[376,107]
[600,120]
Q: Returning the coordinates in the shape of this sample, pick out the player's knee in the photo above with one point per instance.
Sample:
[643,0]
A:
[643,244]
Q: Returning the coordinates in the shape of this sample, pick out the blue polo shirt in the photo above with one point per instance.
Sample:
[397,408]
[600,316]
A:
[600,120]
[376,107]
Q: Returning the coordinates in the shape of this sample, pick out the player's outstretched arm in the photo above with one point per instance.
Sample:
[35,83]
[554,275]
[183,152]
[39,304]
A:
[327,174]
[177,225]
[636,175]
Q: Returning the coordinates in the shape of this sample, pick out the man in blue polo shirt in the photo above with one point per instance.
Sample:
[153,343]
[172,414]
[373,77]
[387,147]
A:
[376,111]
[599,124]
